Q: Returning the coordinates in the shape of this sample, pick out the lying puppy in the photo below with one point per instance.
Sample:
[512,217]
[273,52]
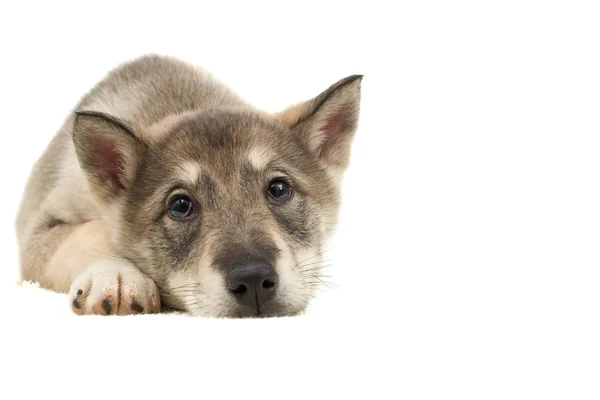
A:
[165,190]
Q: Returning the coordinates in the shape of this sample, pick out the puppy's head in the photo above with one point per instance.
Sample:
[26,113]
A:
[227,210]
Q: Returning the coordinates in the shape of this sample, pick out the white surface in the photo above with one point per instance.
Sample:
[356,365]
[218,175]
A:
[467,263]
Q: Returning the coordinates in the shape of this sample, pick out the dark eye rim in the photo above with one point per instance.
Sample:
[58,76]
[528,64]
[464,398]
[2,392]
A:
[272,198]
[193,209]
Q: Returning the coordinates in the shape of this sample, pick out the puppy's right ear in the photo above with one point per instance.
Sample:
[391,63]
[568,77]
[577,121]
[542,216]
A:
[327,123]
[108,151]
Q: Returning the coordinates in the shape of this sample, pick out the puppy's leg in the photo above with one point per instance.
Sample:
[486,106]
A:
[79,259]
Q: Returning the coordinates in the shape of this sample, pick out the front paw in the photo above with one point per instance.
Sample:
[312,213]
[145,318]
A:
[110,287]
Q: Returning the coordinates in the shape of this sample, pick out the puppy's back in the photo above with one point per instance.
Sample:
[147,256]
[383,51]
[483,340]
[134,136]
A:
[152,87]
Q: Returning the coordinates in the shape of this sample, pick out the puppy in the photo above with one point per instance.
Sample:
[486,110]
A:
[164,190]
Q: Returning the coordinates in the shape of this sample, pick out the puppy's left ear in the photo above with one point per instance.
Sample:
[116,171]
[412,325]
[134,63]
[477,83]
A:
[327,123]
[109,153]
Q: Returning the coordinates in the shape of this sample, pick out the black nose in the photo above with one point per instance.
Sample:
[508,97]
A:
[252,284]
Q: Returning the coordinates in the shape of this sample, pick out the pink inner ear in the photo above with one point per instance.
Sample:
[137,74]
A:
[107,159]
[332,130]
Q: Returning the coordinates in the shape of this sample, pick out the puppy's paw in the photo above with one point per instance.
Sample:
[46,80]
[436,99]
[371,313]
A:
[111,287]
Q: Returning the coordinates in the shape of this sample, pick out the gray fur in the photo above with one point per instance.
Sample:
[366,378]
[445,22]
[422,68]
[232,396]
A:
[171,128]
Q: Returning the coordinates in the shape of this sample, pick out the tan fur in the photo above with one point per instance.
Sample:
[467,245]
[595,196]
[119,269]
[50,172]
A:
[259,157]
[291,115]
[85,244]
[93,219]
[190,172]
[156,132]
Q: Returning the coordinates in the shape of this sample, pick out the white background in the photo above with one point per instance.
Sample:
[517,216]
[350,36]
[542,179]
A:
[467,262]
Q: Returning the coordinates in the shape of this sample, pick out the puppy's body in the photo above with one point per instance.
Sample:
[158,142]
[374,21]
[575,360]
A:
[101,214]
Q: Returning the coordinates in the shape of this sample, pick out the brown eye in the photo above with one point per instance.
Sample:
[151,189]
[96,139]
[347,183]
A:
[280,190]
[181,207]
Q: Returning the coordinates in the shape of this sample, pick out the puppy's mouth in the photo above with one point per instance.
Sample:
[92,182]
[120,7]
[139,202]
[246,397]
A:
[232,309]
[267,310]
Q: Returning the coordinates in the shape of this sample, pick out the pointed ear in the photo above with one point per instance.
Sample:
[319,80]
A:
[108,151]
[327,122]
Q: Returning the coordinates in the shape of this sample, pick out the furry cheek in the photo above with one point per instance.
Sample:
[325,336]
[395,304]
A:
[295,288]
